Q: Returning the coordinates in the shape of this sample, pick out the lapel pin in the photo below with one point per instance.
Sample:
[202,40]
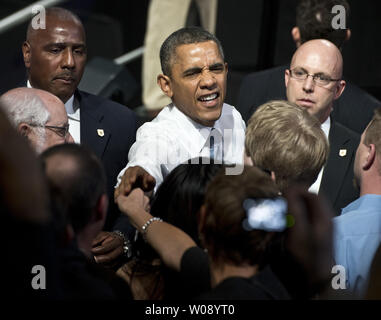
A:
[100,132]
[343,152]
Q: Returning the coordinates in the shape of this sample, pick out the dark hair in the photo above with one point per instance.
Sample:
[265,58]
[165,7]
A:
[222,231]
[179,198]
[75,189]
[177,201]
[182,36]
[314,20]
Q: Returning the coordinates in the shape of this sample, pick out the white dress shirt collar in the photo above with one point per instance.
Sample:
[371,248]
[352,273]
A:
[314,188]
[202,132]
[70,107]
[326,126]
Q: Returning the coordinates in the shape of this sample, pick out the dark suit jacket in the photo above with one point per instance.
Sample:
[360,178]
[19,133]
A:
[119,131]
[354,109]
[337,181]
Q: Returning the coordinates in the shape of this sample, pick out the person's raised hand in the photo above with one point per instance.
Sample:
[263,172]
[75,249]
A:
[133,205]
[134,177]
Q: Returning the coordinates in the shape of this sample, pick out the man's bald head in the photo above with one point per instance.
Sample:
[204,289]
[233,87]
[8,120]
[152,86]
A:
[54,14]
[55,56]
[321,49]
[321,62]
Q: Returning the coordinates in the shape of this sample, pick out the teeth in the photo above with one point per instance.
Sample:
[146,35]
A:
[209,97]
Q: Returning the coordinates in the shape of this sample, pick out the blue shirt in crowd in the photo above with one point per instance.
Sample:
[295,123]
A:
[357,235]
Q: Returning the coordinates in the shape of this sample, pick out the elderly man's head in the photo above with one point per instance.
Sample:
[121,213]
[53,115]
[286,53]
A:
[314,78]
[37,115]
[194,74]
[55,57]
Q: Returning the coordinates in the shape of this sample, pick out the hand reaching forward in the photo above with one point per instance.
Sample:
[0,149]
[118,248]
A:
[134,177]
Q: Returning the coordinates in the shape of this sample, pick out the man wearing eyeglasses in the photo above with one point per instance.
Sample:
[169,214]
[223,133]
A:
[314,82]
[313,18]
[38,115]
[314,78]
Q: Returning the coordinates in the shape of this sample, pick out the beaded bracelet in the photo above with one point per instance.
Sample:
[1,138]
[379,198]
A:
[146,225]
[127,246]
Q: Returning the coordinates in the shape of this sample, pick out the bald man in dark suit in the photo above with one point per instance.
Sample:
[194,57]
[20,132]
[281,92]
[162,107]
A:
[314,82]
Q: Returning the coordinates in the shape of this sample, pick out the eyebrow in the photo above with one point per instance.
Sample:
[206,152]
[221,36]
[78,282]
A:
[315,74]
[64,45]
[195,70]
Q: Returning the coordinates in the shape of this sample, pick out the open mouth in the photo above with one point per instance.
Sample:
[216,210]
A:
[209,99]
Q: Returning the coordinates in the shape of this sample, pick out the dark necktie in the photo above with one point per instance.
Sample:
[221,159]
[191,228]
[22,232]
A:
[211,141]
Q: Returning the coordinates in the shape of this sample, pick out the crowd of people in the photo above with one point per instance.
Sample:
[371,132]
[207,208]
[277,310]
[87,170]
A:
[276,199]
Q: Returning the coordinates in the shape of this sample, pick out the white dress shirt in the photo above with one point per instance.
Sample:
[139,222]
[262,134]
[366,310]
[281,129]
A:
[73,114]
[173,138]
[326,126]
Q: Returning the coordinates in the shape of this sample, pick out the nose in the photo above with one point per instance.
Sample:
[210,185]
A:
[207,80]
[309,84]
[68,59]
[69,138]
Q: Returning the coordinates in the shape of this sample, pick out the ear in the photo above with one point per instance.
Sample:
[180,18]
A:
[286,77]
[26,53]
[340,89]
[226,67]
[370,157]
[24,129]
[165,84]
[295,33]
[101,208]
[348,35]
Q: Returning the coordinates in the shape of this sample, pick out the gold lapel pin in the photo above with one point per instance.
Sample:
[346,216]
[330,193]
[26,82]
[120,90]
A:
[343,152]
[100,132]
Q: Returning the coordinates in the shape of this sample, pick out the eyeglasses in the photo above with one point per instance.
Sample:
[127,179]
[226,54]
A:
[319,78]
[61,131]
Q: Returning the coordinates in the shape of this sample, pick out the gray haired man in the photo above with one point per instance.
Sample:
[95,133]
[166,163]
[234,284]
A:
[38,115]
